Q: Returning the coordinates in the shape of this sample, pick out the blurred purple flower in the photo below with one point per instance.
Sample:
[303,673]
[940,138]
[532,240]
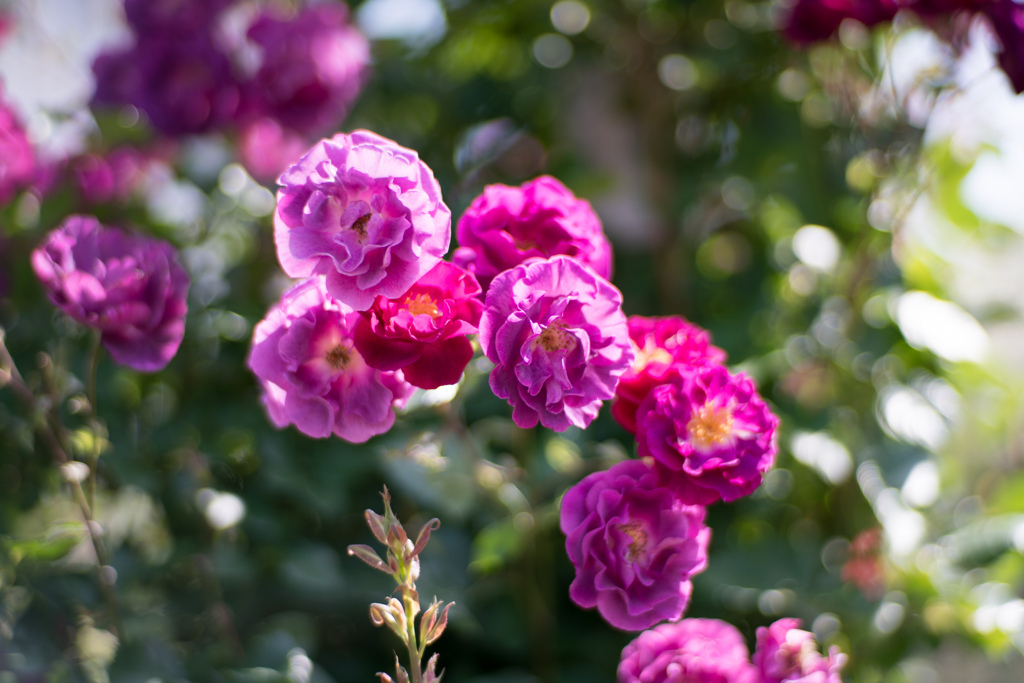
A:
[692,650]
[557,335]
[505,226]
[1007,19]
[266,149]
[634,546]
[424,332]
[363,211]
[111,177]
[712,430]
[663,347]
[183,83]
[786,654]
[311,373]
[160,17]
[129,287]
[812,20]
[313,67]
[17,159]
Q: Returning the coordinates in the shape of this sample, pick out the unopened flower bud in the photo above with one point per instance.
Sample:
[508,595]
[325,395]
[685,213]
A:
[391,614]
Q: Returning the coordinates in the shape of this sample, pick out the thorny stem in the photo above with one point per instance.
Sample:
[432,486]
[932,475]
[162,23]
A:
[9,372]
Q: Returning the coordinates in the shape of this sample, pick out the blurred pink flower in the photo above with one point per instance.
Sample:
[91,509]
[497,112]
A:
[129,287]
[363,211]
[712,430]
[424,332]
[808,21]
[266,149]
[692,650]
[786,654]
[634,546]
[505,226]
[17,159]
[557,335]
[311,373]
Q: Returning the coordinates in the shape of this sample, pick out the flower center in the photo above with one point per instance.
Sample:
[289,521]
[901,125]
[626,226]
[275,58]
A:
[650,353]
[359,227]
[636,532]
[422,303]
[339,357]
[555,338]
[709,426]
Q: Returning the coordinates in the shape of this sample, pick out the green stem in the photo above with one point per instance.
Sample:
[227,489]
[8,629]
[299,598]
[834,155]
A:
[415,652]
[94,419]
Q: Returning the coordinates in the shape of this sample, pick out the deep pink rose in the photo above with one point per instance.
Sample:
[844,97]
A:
[311,373]
[505,226]
[312,69]
[424,332]
[634,546]
[712,430]
[1007,18]
[557,336]
[786,654]
[692,650]
[113,177]
[363,211]
[129,287]
[663,347]
[17,160]
[809,21]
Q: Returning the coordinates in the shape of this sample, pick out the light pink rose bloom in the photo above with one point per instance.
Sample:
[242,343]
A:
[787,654]
[691,650]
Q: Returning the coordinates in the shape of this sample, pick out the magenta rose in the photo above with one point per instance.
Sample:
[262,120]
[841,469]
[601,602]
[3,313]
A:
[505,226]
[557,336]
[364,212]
[692,650]
[17,160]
[313,376]
[423,333]
[711,431]
[312,69]
[1007,18]
[809,21]
[787,654]
[662,347]
[634,546]
[129,287]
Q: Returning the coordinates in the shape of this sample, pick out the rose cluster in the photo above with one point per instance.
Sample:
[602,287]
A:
[198,65]
[712,651]
[808,21]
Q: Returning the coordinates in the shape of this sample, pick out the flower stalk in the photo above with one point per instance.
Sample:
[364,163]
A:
[402,563]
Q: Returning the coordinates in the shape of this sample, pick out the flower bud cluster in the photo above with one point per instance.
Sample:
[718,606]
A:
[403,565]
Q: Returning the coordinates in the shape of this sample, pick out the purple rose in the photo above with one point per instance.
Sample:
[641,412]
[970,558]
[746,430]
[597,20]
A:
[712,430]
[425,331]
[113,177]
[17,160]
[157,17]
[663,347]
[311,373]
[634,545]
[129,287]
[786,654]
[505,226]
[812,20]
[363,211]
[692,650]
[184,83]
[1007,18]
[313,67]
[557,335]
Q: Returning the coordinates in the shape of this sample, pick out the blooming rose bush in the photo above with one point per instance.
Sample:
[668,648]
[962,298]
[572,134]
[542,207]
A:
[425,332]
[311,373]
[557,336]
[692,650]
[129,287]
[663,347]
[505,226]
[634,545]
[365,213]
[787,654]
